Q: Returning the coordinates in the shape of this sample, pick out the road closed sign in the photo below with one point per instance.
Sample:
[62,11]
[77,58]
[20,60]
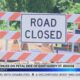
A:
[50,28]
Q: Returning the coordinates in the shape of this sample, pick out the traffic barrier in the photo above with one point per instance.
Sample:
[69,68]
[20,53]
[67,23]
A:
[73,18]
[41,57]
[16,16]
[32,56]
[11,16]
[73,38]
[7,35]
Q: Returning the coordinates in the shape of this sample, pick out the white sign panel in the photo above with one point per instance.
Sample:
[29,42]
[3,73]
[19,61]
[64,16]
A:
[41,28]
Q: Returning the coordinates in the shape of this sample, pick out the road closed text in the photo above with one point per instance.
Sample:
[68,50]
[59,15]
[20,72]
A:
[30,34]
[43,28]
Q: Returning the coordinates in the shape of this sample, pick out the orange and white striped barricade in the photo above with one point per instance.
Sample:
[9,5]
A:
[40,57]
[45,57]
[16,16]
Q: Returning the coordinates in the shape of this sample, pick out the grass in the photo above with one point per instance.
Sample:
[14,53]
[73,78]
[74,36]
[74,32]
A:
[11,28]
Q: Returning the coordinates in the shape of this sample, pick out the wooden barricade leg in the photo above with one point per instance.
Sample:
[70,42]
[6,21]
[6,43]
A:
[2,44]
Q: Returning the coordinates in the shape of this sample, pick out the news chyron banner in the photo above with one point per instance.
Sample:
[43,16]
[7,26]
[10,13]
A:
[42,28]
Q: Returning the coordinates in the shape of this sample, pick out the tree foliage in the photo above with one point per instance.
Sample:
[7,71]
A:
[16,5]
[74,9]
[41,5]
[47,6]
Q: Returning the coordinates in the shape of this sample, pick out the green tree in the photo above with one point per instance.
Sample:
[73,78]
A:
[63,5]
[74,9]
[41,5]
[16,5]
